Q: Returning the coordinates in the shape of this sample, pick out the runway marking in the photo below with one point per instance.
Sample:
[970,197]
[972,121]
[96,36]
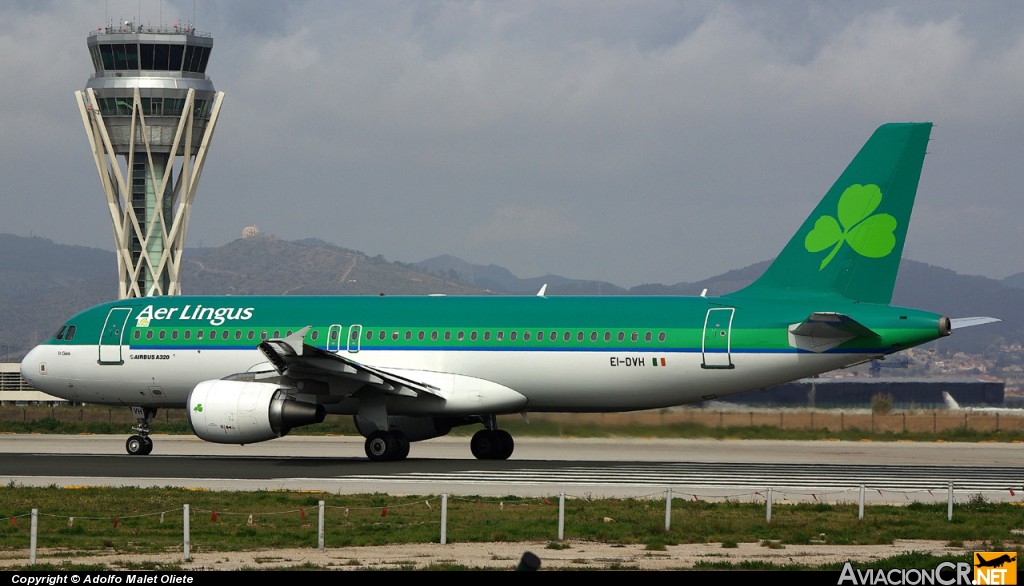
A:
[739,476]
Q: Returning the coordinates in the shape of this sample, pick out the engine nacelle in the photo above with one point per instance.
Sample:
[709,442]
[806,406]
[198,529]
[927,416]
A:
[238,412]
[415,428]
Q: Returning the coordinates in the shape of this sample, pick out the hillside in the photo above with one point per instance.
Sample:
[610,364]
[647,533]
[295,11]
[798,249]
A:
[43,283]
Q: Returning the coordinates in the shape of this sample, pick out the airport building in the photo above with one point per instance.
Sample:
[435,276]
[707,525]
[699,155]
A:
[149,111]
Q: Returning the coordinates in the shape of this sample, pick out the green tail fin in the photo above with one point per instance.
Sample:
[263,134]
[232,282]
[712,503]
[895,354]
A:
[852,243]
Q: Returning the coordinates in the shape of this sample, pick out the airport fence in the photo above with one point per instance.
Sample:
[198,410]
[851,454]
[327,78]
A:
[668,516]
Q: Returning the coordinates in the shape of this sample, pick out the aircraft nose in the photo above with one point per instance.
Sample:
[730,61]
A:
[33,367]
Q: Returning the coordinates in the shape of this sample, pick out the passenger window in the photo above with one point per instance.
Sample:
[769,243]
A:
[419,336]
[188,334]
[408,335]
[149,335]
[382,335]
[277,333]
[566,337]
[238,334]
[369,335]
[634,337]
[162,334]
[579,337]
[137,334]
[500,336]
[315,335]
[593,336]
[540,336]
[487,336]
[213,334]
[526,336]
[607,336]
[621,336]
[394,335]
[225,335]
[512,335]
[472,336]
[554,336]
[252,334]
[661,337]
[199,334]
[174,334]
[647,337]
[333,336]
[447,336]
[461,336]
[433,335]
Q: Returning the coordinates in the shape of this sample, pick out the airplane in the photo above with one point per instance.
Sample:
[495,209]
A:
[410,368]
[995,562]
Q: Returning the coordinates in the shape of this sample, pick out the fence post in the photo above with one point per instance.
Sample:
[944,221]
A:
[860,512]
[320,528]
[187,552]
[668,509]
[561,516]
[949,505]
[768,509]
[444,518]
[32,539]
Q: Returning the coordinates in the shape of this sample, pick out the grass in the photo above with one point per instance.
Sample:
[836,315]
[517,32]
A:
[151,520]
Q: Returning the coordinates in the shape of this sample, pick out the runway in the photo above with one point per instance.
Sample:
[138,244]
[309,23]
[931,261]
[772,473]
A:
[832,471]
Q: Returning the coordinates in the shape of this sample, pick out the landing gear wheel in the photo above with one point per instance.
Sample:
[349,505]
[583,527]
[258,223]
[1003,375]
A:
[136,445]
[382,446]
[141,444]
[492,444]
[507,444]
[402,448]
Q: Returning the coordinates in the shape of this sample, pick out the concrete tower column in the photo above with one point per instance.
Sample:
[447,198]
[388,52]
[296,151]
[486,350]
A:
[149,111]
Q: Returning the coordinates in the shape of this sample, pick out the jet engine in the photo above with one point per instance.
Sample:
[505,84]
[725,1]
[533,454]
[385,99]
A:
[237,412]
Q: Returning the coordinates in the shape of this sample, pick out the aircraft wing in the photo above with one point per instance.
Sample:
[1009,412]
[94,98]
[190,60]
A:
[294,358]
[823,330]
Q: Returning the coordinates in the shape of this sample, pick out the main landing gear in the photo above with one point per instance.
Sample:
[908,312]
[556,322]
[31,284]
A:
[382,446]
[492,443]
[141,444]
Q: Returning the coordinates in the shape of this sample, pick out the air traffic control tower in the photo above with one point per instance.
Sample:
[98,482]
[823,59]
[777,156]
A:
[149,111]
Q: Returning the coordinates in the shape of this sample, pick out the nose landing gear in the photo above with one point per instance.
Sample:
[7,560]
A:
[141,444]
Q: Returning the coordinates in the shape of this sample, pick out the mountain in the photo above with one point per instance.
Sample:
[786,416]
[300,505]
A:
[43,283]
[500,280]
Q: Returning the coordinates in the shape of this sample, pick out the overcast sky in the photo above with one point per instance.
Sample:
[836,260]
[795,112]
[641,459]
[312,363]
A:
[628,141]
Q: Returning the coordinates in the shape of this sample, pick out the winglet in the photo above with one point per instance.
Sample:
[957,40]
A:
[543,289]
[277,349]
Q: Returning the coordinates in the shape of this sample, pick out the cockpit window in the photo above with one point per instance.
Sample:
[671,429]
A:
[70,333]
[60,333]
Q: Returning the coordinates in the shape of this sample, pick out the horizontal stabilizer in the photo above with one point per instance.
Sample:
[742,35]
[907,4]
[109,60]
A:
[822,331]
[966,322]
